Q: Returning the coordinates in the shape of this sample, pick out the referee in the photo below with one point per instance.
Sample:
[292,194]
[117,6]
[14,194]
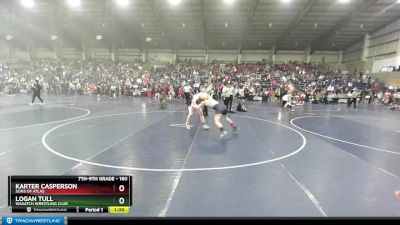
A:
[36,91]
[228,93]
[187,91]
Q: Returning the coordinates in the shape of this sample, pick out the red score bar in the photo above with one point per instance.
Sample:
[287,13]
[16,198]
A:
[85,189]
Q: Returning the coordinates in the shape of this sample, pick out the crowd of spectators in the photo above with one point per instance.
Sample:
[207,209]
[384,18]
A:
[256,80]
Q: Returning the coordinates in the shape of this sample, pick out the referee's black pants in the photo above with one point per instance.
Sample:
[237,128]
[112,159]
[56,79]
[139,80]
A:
[228,103]
[36,95]
[351,101]
[187,97]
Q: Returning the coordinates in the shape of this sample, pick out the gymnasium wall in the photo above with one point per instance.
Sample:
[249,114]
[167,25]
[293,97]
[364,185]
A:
[382,49]
[129,55]
[392,78]
[169,56]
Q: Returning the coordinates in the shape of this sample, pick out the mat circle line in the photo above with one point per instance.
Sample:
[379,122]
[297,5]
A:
[51,122]
[170,170]
[339,140]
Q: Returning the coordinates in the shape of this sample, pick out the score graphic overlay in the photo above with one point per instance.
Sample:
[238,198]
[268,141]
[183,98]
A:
[70,194]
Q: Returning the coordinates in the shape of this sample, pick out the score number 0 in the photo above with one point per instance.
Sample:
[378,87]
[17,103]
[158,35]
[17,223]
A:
[121,200]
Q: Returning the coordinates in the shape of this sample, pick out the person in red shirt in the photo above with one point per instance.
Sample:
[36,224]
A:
[164,89]
[150,94]
[94,90]
[180,92]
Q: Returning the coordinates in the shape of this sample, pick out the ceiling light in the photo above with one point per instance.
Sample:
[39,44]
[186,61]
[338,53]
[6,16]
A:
[174,2]
[53,37]
[183,25]
[226,24]
[344,1]
[148,39]
[122,3]
[259,43]
[362,26]
[74,3]
[286,1]
[99,37]
[27,3]
[270,24]
[315,25]
[229,1]
[9,37]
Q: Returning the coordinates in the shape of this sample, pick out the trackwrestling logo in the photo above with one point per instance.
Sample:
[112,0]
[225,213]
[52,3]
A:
[33,220]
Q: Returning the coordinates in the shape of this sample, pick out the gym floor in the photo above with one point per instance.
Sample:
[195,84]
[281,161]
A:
[321,160]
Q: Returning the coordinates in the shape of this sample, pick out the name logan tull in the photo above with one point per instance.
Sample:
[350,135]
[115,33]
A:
[33,198]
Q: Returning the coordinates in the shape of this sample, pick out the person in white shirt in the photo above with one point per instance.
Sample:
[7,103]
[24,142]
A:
[241,93]
[206,89]
[187,91]
[220,109]
[286,100]
[113,89]
[227,93]
[157,96]
[241,100]
[171,94]
[353,98]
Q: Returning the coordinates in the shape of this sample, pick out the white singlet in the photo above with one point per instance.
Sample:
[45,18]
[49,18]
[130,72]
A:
[212,102]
